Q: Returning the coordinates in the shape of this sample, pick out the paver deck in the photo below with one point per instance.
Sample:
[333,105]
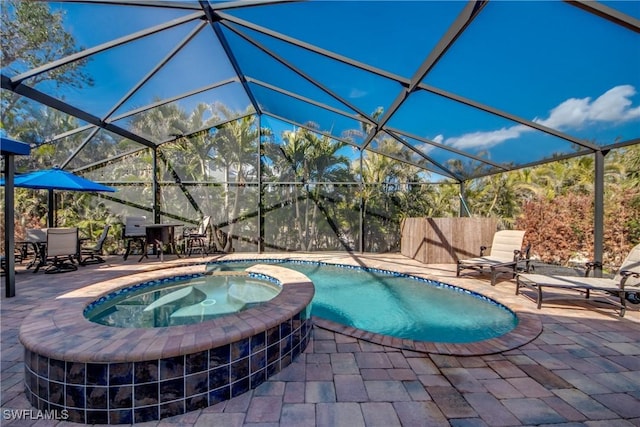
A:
[581,367]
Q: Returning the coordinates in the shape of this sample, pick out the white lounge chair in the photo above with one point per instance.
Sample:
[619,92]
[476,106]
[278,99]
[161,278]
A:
[628,275]
[506,251]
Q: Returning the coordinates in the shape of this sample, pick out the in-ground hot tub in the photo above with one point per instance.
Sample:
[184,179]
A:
[102,374]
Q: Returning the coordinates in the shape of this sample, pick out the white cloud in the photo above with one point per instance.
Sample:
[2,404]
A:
[613,106]
[357,93]
[481,140]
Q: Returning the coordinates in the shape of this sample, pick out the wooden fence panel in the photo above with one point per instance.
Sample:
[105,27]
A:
[445,240]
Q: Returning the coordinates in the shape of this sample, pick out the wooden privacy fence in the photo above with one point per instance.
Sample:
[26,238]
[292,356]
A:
[445,240]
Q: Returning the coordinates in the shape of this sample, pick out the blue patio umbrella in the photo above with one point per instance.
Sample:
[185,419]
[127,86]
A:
[57,179]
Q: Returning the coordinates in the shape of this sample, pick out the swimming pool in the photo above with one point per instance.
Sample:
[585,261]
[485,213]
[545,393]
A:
[395,304]
[181,300]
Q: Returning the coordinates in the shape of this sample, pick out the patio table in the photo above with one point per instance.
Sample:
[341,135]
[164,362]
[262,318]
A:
[159,235]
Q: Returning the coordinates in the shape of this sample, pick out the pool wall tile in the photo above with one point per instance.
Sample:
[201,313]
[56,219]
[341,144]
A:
[273,336]
[143,415]
[56,393]
[75,396]
[219,395]
[258,342]
[240,387]
[273,353]
[240,349]
[120,397]
[145,394]
[199,401]
[258,378]
[124,416]
[75,373]
[196,384]
[120,373]
[43,389]
[30,380]
[97,373]
[97,417]
[172,367]
[77,415]
[258,360]
[97,397]
[144,372]
[219,356]
[56,370]
[171,409]
[197,362]
[42,404]
[239,369]
[43,366]
[171,389]
[219,377]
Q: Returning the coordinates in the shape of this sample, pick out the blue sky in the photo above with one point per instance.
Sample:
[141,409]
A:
[548,62]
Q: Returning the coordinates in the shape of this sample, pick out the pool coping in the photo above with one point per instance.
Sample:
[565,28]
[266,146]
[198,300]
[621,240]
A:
[528,328]
[58,329]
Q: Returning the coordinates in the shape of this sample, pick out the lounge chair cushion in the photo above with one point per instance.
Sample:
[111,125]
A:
[572,282]
[631,263]
[618,286]
[505,242]
[503,256]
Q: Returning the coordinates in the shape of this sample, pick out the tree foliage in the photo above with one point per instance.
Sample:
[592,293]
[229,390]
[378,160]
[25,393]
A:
[31,35]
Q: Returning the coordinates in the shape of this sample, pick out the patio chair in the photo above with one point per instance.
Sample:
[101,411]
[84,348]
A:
[134,232]
[62,248]
[505,253]
[196,240]
[617,287]
[91,255]
[36,244]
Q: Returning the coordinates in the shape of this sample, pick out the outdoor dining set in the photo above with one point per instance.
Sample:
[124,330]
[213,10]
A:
[59,249]
[62,249]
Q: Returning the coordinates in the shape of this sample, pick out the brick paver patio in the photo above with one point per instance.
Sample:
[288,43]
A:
[583,369]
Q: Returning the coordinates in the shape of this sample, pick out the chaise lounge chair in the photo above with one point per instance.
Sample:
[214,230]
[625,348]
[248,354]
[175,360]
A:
[506,251]
[628,275]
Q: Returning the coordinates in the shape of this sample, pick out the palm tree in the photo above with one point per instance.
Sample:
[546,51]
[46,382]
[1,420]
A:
[323,164]
[312,160]
[235,148]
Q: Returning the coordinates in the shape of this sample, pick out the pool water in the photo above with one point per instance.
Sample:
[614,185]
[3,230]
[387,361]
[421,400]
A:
[183,301]
[397,305]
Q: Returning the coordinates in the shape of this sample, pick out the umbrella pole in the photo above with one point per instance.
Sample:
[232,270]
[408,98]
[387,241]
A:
[51,220]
